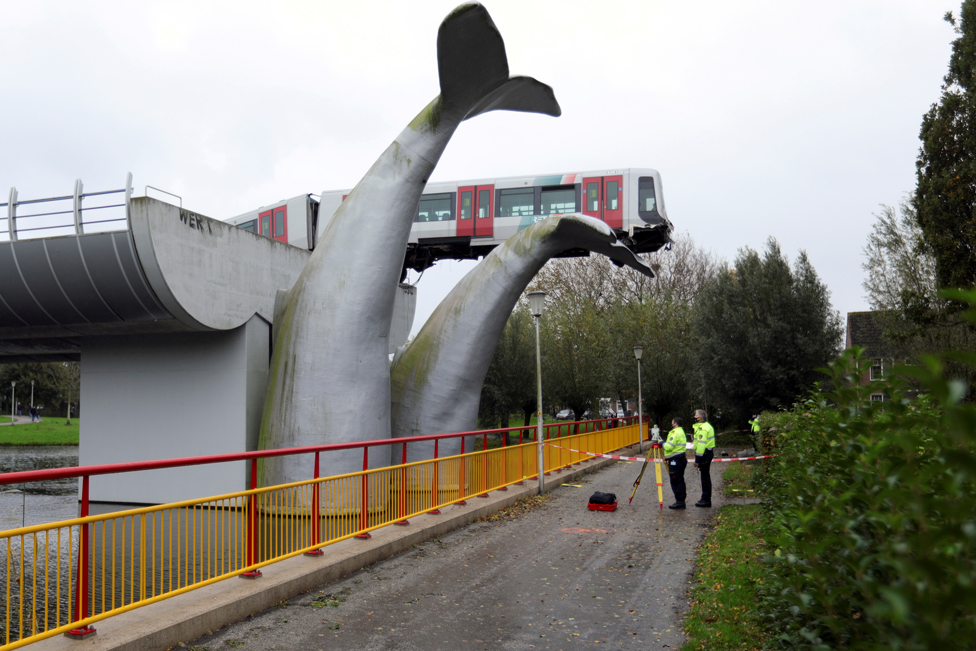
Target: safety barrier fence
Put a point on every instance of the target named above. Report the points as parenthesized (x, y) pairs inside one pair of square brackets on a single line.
[(64, 576)]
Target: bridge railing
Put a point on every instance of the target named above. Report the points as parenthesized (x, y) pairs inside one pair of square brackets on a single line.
[(73, 214), (64, 576)]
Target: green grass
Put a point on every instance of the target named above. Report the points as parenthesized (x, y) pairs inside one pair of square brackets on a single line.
[(723, 612), (51, 431), (4, 419), (738, 480)]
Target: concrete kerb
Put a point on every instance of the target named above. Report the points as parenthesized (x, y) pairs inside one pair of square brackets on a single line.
[(186, 617)]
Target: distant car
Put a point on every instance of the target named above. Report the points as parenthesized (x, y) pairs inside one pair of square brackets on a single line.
[(565, 414), (620, 413), (588, 415)]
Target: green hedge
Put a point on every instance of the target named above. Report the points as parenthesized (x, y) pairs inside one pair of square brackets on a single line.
[(870, 515)]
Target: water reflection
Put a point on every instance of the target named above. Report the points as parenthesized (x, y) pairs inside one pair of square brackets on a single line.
[(41, 502)]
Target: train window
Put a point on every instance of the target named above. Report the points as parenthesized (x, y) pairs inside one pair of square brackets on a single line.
[(558, 201), (465, 205), (516, 202), (435, 208), (613, 200), (279, 229), (592, 197), (250, 226), (266, 225), (484, 201), (646, 200)]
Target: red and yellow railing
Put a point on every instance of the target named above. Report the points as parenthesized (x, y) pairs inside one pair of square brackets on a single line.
[(62, 577)]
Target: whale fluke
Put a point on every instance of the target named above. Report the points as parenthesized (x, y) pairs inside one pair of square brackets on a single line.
[(330, 374), (436, 381)]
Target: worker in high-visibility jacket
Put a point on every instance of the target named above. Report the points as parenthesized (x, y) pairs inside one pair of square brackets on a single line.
[(754, 423), (674, 457), (704, 435)]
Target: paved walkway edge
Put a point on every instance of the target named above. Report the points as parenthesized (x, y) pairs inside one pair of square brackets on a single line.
[(186, 617)]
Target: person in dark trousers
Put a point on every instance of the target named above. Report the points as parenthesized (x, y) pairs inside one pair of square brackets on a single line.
[(674, 457), (704, 436)]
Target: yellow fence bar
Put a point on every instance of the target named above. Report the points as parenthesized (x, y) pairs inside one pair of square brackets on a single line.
[(141, 556)]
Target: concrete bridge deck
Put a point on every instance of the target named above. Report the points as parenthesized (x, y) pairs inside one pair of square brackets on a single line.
[(557, 577)]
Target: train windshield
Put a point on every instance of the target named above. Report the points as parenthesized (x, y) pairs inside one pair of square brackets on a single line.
[(250, 226), (435, 208), (646, 199), (559, 201)]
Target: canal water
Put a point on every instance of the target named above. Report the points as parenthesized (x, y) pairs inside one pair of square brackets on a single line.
[(40, 502)]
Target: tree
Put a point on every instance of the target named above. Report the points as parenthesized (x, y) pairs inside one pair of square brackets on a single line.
[(900, 268), (945, 197), (66, 380), (510, 384), (763, 329)]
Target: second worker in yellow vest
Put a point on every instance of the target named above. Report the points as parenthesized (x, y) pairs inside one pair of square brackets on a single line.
[(704, 435), (674, 457)]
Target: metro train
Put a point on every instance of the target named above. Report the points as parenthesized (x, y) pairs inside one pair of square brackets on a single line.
[(467, 219)]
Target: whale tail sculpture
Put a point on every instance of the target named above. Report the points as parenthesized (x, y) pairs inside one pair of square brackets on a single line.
[(329, 380)]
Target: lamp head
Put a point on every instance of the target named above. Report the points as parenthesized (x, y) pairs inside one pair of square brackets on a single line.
[(638, 351), (537, 303)]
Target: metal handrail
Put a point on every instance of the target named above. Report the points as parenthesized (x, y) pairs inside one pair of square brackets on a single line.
[(180, 462)]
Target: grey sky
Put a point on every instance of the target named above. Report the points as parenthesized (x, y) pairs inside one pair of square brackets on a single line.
[(783, 119)]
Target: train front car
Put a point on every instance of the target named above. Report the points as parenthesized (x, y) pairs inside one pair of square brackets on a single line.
[(464, 220)]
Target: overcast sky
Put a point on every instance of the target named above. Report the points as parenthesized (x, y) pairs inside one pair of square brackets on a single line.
[(773, 118)]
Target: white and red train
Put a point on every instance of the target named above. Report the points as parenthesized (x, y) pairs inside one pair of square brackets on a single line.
[(467, 219)]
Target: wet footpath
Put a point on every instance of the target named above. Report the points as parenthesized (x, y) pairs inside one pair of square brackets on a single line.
[(544, 574)]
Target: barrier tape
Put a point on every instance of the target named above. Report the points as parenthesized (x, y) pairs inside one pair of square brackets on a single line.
[(652, 460)]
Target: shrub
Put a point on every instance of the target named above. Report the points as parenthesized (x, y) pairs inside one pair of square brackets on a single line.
[(870, 512)]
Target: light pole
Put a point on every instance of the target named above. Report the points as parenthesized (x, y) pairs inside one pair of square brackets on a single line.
[(32, 393), (638, 351), (537, 303), (13, 403)]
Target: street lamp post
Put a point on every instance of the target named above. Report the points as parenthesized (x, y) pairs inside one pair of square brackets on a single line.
[(13, 403), (638, 351), (537, 303), (32, 393)]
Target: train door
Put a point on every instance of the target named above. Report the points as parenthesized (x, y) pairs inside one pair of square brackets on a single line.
[(484, 210), (613, 204), (465, 211), (603, 199), (274, 223)]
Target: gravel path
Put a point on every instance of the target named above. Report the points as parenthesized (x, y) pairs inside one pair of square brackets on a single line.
[(549, 575)]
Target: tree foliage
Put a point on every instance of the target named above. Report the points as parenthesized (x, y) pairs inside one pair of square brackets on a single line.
[(762, 329), (945, 196)]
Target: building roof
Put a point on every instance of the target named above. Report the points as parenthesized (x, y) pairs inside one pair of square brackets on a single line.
[(866, 329)]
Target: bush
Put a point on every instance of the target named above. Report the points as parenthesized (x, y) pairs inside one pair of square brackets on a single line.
[(870, 511)]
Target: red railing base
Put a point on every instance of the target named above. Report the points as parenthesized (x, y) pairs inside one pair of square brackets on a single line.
[(434, 512), (546, 474), (402, 523), (253, 574), (483, 495), (461, 503), (315, 552), (364, 536), (80, 633), (503, 488), (520, 483)]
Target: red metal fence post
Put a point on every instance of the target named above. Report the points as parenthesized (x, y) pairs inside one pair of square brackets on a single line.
[(503, 487), (403, 489), (252, 524), (435, 492), (81, 585), (316, 518), (521, 460), (484, 467), (461, 476), (364, 498)]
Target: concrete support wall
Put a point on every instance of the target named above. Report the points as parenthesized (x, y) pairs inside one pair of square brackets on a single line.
[(172, 395)]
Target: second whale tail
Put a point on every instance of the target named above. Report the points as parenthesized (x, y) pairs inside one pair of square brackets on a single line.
[(473, 69)]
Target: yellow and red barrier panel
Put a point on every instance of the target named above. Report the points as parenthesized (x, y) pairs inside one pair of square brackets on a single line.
[(65, 576)]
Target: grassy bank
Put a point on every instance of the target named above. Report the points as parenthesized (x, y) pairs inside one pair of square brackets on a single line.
[(52, 431), (723, 610), (737, 479)]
